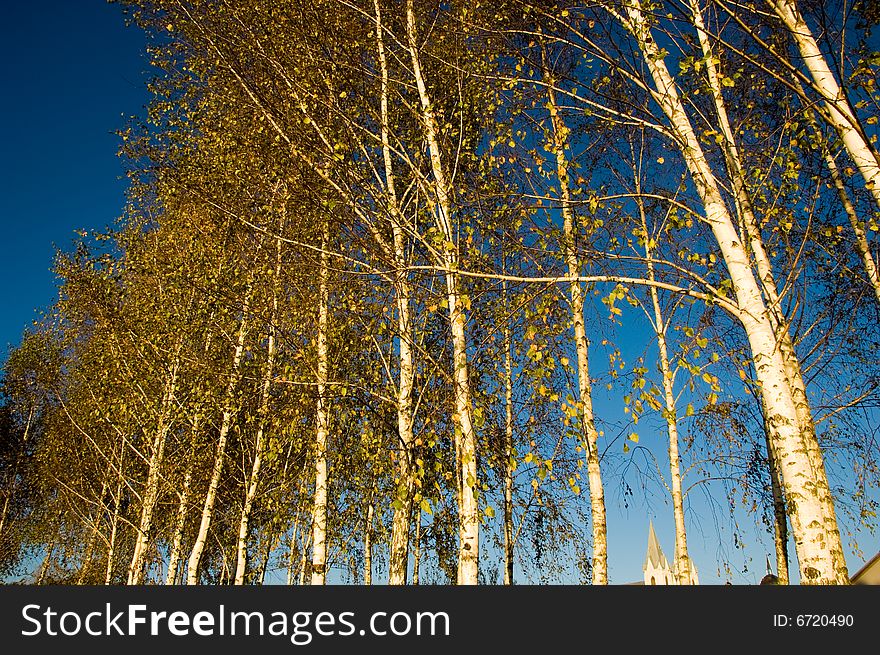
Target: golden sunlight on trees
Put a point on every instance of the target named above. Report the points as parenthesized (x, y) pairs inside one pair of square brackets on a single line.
[(417, 291)]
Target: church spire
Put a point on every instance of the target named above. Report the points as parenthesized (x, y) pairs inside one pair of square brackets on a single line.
[(654, 556)]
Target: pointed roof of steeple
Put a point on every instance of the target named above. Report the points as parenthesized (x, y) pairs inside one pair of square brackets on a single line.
[(655, 554), (769, 568)]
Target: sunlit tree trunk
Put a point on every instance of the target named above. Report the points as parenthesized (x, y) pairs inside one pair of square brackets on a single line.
[(589, 434), (780, 518), (507, 449), (229, 408), (319, 508), (176, 552), (368, 545), (175, 555), (771, 294), (263, 417), (293, 551), (304, 560), (400, 521), (468, 510), (96, 527), (682, 568), (863, 248), (114, 521), (812, 537), (44, 567), (151, 488), (271, 543), (417, 546), (839, 112)]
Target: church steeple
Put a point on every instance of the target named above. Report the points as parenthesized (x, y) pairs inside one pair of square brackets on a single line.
[(655, 556), (656, 568)]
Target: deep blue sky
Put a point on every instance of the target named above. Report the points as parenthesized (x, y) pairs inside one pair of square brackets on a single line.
[(72, 72)]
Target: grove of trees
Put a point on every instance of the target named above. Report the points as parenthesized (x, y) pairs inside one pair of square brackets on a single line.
[(384, 263)]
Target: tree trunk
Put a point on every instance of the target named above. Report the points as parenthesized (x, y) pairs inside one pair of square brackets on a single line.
[(44, 567), (780, 525), (260, 445), (368, 545), (400, 521), (466, 445), (839, 113), (812, 537), (114, 522), (768, 285), (682, 566), (508, 452), (292, 549), (862, 245), (589, 434), (319, 509), (417, 547), (183, 506), (96, 527), (272, 542), (151, 488), (192, 569)]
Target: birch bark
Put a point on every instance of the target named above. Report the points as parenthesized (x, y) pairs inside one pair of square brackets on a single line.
[(322, 418), (817, 565), (260, 445), (466, 446), (151, 488), (192, 569), (589, 433), (841, 115), (769, 288), (400, 521)]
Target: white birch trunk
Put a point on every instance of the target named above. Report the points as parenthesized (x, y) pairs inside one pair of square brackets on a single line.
[(508, 443), (780, 519), (292, 552), (589, 434), (319, 509), (400, 522), (96, 526), (841, 115), (817, 564), (180, 525), (260, 445), (368, 546), (468, 510), (151, 488), (768, 285), (417, 546), (195, 557), (114, 522), (862, 245), (292, 549), (682, 568)]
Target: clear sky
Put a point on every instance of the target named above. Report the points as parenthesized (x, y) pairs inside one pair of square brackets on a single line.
[(72, 73)]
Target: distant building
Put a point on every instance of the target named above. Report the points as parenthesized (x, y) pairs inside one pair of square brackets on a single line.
[(657, 569)]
